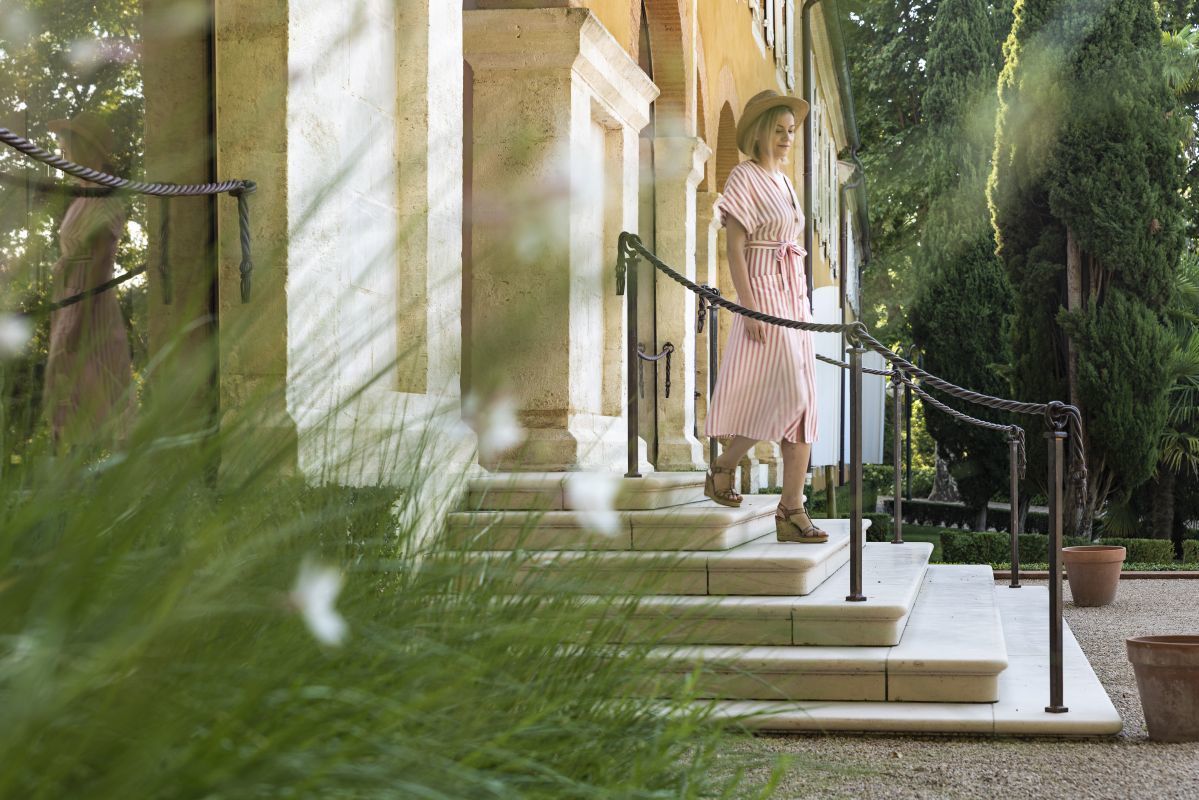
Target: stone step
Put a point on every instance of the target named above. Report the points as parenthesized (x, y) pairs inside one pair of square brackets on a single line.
[(1023, 692), (892, 573), (546, 491), (924, 667), (764, 566), (696, 526)]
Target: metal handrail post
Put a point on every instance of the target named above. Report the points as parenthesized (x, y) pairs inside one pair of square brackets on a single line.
[(633, 410), (907, 395), (1014, 525), (896, 453), (855, 473), (713, 362), (1057, 440)]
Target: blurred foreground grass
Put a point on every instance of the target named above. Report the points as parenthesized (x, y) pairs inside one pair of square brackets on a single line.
[(150, 648)]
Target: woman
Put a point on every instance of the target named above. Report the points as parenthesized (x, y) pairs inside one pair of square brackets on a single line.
[(89, 372), (765, 389)]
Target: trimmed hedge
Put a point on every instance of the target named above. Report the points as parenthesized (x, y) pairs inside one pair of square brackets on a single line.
[(1190, 551), (880, 529), (951, 515), (958, 547)]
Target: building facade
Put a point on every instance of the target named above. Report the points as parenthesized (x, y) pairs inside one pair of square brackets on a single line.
[(441, 186)]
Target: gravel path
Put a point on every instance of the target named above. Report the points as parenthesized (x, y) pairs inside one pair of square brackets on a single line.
[(1127, 766)]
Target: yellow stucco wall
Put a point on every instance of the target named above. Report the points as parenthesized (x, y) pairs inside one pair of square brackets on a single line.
[(733, 65)]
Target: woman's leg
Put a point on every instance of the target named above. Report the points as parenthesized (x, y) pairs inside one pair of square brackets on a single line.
[(730, 456), (795, 472)]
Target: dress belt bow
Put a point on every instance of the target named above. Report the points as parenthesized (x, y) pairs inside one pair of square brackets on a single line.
[(781, 249)]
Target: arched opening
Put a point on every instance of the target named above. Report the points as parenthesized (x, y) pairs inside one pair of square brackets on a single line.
[(726, 146), (662, 28)]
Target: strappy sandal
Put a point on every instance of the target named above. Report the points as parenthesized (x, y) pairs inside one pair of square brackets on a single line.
[(726, 497), (787, 529)]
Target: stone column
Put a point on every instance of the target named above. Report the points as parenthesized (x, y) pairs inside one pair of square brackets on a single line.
[(678, 167), (706, 270), (178, 142), (352, 126), (251, 64), (558, 104)]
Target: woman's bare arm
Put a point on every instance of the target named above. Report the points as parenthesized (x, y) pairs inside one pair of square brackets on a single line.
[(736, 238)]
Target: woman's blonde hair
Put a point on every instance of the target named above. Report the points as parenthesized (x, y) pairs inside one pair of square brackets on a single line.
[(764, 127)]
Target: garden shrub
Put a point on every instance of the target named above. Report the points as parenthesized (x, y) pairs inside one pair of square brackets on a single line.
[(880, 529), (1144, 550), (1190, 551), (959, 547)]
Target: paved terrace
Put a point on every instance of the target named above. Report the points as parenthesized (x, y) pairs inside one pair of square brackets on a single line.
[(1122, 767)]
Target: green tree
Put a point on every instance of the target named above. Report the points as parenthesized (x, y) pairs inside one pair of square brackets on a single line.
[(1085, 201), (887, 42), (59, 57), (964, 297)]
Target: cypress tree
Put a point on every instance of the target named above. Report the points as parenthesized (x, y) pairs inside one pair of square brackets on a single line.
[(1085, 203), (964, 297)]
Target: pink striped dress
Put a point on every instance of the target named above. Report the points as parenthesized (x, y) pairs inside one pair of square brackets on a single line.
[(766, 390)]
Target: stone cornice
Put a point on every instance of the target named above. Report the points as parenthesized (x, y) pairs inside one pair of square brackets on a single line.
[(561, 39)]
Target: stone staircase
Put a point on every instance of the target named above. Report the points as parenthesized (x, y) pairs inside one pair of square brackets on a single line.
[(935, 648)]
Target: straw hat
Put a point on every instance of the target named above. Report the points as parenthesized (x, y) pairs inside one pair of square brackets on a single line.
[(758, 105), (88, 126)]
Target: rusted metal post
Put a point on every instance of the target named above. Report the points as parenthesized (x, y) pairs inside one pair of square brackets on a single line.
[(1057, 441), (713, 362), (855, 472), (1014, 525), (633, 409), (896, 454)]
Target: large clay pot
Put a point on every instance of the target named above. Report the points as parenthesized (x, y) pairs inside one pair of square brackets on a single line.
[(1167, 669), (1094, 572)]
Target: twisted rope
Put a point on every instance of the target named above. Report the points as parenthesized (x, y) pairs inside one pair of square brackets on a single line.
[(1013, 431), (1058, 416), (886, 373), (240, 189)]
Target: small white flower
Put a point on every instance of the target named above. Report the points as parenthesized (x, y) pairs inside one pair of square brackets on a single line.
[(496, 424), (593, 494), (316, 590), (15, 332)]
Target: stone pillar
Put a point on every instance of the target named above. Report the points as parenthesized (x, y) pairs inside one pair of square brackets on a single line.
[(352, 126), (558, 105), (706, 270), (178, 142), (678, 167), (251, 65)]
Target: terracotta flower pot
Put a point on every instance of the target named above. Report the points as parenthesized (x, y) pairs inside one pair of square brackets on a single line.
[(1167, 669), (1094, 572)]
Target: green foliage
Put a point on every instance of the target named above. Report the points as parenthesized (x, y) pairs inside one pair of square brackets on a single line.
[(1143, 550), (887, 41), (1123, 350), (881, 477), (960, 547), (1190, 551), (57, 58), (1087, 145), (150, 648), (880, 529)]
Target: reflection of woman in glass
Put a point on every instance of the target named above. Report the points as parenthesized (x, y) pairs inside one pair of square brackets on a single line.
[(89, 372)]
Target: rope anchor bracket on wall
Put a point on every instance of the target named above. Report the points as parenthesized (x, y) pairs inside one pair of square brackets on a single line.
[(667, 349)]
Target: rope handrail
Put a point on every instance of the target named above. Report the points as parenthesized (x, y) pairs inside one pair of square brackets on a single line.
[(886, 373), (1057, 415), (1013, 431), (241, 189)]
